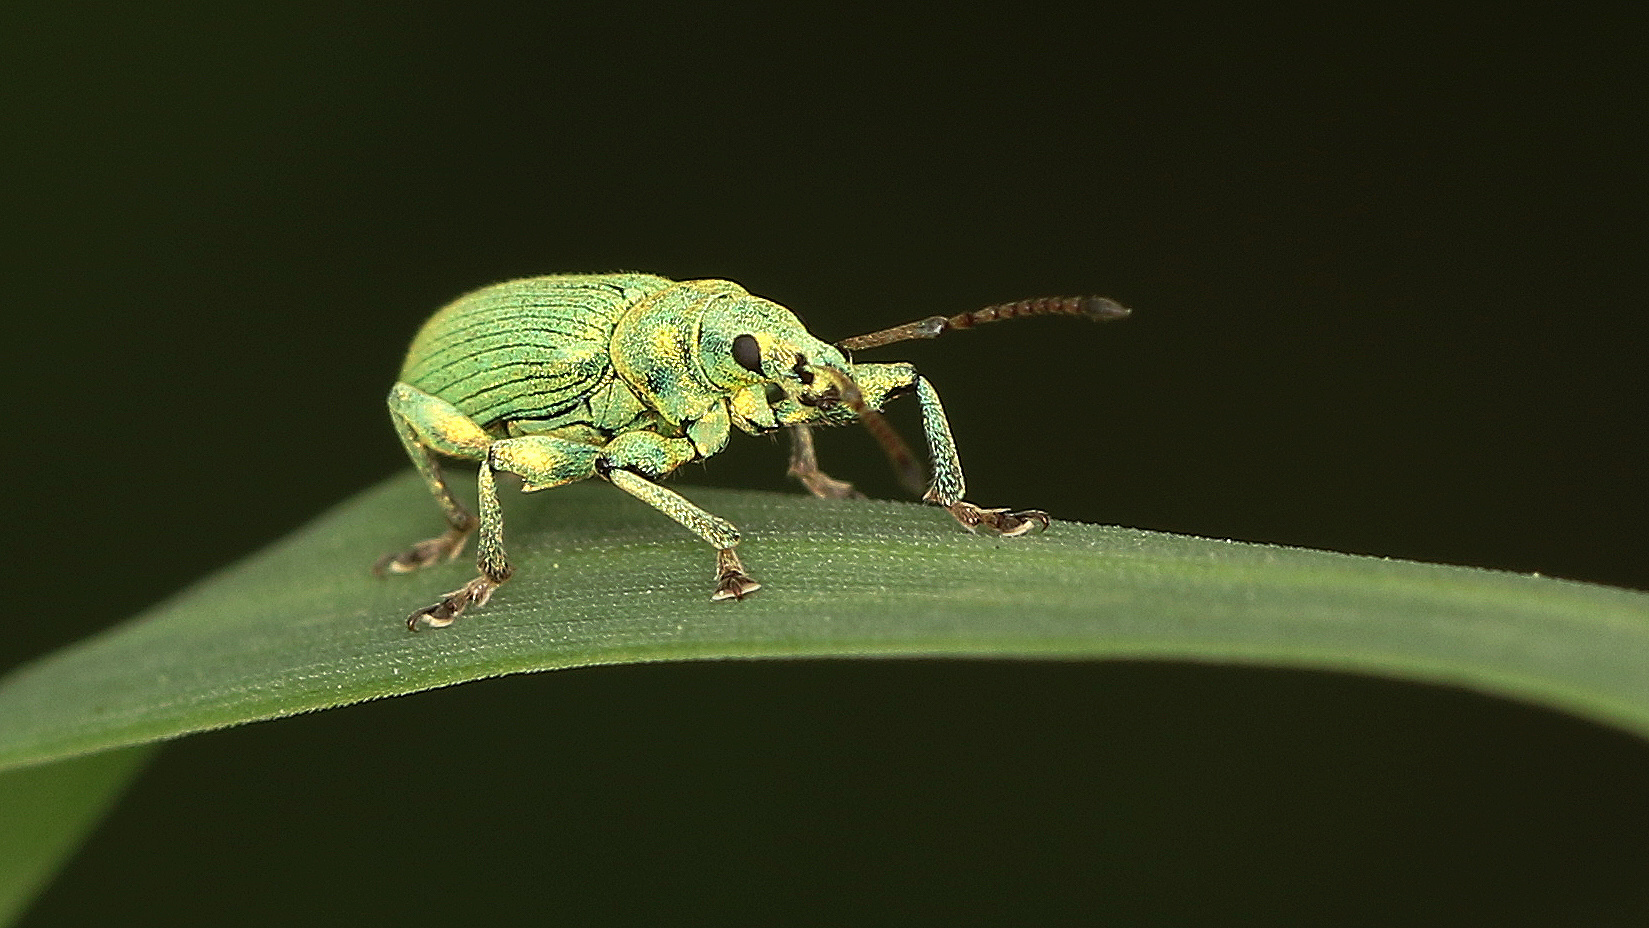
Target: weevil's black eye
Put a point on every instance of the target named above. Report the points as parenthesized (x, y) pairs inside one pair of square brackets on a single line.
[(747, 353)]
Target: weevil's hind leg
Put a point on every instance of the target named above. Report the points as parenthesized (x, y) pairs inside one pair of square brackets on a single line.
[(490, 560), (428, 426), (804, 466), (948, 486), (543, 461)]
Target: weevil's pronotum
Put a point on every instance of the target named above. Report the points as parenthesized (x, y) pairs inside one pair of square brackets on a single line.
[(630, 376)]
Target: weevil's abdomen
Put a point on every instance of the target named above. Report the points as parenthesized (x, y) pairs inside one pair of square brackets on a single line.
[(531, 350)]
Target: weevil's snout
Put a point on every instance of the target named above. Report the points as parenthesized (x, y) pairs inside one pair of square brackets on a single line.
[(828, 388)]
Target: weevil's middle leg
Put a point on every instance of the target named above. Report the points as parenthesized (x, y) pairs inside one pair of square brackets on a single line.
[(654, 454), (804, 466), (731, 580)]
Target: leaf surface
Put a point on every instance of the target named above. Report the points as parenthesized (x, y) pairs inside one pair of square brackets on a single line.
[(602, 579)]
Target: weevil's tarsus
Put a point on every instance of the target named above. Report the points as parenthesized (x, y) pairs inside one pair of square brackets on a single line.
[(804, 466), (1097, 308), (731, 580), (426, 553), (474, 593), (1003, 522)]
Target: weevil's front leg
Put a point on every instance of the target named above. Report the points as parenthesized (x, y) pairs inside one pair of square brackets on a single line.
[(804, 466), (649, 453), (948, 486), (542, 461), (428, 426)]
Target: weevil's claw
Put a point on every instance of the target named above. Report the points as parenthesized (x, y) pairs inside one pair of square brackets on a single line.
[(423, 554), (474, 593), (731, 580), (734, 586), (1003, 522)]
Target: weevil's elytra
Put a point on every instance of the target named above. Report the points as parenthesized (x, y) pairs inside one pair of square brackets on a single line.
[(628, 377)]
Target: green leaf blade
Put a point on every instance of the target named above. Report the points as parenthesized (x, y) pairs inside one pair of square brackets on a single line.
[(603, 579), (46, 813)]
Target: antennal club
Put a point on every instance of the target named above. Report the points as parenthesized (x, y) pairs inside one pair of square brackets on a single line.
[(1097, 308)]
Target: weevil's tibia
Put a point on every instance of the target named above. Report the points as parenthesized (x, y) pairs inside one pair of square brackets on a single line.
[(490, 560), (443, 547), (948, 486), (1097, 308)]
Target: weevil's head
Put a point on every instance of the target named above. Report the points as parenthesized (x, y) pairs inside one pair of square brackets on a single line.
[(748, 341)]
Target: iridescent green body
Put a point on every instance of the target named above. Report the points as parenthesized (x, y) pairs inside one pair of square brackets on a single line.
[(628, 377), (532, 351)]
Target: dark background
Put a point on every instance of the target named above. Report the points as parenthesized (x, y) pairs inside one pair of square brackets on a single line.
[(1387, 275)]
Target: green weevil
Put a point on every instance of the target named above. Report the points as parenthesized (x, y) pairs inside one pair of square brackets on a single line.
[(628, 377)]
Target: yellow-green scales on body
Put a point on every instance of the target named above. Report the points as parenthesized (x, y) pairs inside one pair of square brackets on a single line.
[(630, 376)]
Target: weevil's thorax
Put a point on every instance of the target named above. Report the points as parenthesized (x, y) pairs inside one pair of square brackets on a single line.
[(655, 346), (676, 348)]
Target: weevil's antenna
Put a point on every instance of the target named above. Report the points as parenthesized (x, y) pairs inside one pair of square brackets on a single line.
[(1097, 308), (911, 473)]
